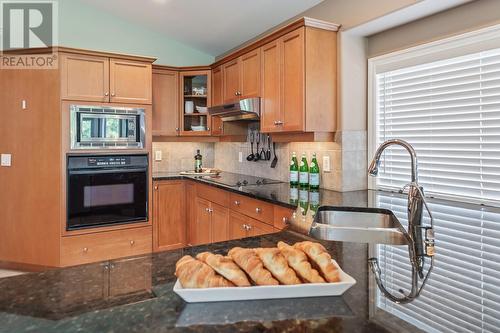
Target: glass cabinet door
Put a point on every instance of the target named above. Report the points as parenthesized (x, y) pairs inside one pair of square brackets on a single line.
[(195, 101)]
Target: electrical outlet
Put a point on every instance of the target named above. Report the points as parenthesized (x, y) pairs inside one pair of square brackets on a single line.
[(6, 160), (158, 155), (240, 156), (326, 164)]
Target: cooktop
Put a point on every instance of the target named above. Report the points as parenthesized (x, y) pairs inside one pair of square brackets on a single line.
[(237, 180)]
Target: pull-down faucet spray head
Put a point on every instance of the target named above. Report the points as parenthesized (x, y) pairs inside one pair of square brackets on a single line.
[(373, 169)]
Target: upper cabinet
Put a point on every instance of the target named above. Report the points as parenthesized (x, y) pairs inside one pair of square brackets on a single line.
[(299, 82), (241, 77), (96, 78), (217, 86), (195, 98), (165, 102)]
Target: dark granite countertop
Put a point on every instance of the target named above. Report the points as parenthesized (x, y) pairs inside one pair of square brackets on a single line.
[(135, 295), (282, 193)]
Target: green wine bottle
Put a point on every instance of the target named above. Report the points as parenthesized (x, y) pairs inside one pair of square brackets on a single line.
[(197, 162), (303, 172), (314, 173), (294, 170)]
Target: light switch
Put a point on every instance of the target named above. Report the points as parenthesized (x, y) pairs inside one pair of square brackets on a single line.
[(240, 156), (158, 155), (6, 160), (326, 164)]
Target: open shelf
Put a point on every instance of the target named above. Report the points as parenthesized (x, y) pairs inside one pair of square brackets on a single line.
[(195, 93)]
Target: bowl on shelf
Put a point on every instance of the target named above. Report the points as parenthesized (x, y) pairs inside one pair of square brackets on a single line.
[(202, 109), (198, 128)]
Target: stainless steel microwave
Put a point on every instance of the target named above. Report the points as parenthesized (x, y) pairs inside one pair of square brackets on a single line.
[(106, 127)]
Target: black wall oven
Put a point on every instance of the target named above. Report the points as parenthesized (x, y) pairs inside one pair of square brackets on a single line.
[(106, 190)]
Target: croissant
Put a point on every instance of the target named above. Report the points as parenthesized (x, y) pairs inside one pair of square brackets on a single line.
[(193, 273), (297, 259), (321, 258), (275, 262), (247, 260), (226, 267)]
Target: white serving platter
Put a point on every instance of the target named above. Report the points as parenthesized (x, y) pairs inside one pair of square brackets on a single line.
[(197, 295)]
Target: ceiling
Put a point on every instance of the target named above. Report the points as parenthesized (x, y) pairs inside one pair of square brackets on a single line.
[(211, 26)]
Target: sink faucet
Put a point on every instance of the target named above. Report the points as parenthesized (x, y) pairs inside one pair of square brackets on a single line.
[(418, 247)]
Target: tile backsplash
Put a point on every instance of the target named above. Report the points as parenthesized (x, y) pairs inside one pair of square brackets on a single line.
[(348, 159), (179, 156)]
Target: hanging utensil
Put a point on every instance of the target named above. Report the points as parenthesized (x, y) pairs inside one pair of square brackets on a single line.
[(268, 152), (252, 155), (275, 160), (257, 139)]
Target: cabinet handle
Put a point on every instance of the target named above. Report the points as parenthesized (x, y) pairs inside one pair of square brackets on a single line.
[(220, 127), (236, 202), (106, 93), (85, 249), (208, 128), (236, 93), (285, 220), (112, 266), (244, 226), (275, 123), (156, 187), (177, 129), (279, 122), (113, 94), (106, 267), (249, 226), (258, 210), (132, 242)]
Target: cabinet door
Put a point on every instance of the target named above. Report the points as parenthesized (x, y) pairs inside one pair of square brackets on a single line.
[(190, 212), (257, 228), (293, 90), (84, 78), (130, 81), (250, 74), (270, 103), (201, 231), (237, 225), (165, 103), (231, 81), (217, 86), (169, 219), (220, 223), (217, 127)]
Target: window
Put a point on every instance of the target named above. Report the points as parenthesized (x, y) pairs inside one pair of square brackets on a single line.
[(463, 291), (444, 99)]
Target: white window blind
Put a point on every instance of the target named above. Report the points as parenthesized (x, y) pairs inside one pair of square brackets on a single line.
[(449, 110), (463, 291)]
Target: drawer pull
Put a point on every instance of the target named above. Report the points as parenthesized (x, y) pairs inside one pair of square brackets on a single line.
[(258, 210), (236, 202), (249, 227), (85, 249), (132, 242), (285, 219)]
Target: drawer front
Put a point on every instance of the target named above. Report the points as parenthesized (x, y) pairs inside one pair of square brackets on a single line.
[(256, 209), (213, 194), (107, 245), (281, 216)]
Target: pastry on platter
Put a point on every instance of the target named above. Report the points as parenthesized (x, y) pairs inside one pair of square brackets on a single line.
[(248, 260), (274, 261), (297, 259), (321, 259), (226, 267), (193, 273)]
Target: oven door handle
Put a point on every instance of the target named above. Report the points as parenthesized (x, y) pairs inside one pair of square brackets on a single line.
[(100, 171)]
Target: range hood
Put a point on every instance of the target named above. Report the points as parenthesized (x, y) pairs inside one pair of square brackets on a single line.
[(245, 109)]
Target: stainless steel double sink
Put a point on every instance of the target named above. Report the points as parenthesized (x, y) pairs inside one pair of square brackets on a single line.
[(359, 225)]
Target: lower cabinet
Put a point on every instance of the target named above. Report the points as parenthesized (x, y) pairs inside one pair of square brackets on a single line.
[(211, 223), (82, 249), (169, 215), (241, 226)]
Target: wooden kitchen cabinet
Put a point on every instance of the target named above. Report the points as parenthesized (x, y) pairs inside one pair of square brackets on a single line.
[(242, 226), (231, 81), (195, 89), (211, 224), (96, 78), (271, 87), (169, 215), (217, 86), (299, 82), (217, 126), (165, 102), (241, 77), (84, 78), (130, 81)]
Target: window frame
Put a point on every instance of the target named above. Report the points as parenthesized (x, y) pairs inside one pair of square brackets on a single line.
[(455, 46)]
